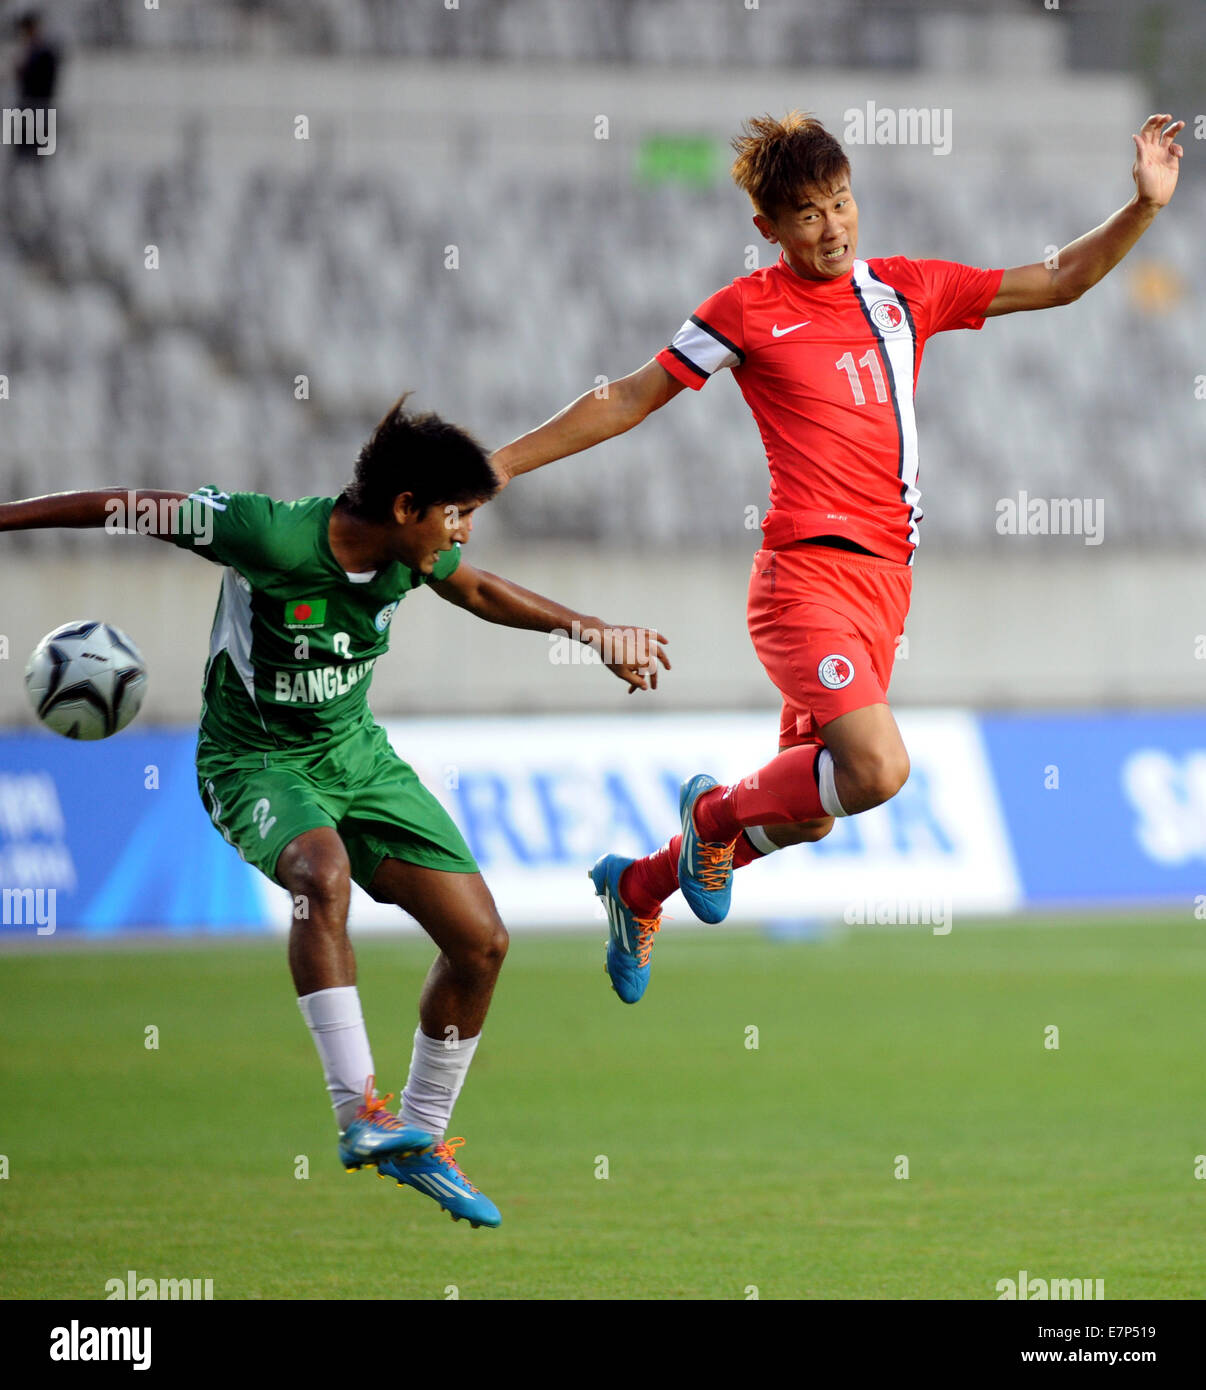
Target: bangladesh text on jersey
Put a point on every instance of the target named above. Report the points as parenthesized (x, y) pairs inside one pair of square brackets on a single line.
[(295, 637)]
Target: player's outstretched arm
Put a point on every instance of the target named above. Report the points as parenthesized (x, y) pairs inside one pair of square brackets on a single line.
[(596, 415), (632, 653), (1081, 264), (107, 507)]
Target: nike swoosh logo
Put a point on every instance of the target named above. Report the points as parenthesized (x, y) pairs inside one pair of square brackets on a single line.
[(778, 332)]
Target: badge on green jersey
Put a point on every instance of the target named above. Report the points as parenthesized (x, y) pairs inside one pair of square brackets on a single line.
[(305, 612)]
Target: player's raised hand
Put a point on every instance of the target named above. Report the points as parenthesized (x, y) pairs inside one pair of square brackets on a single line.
[(632, 653), (1157, 159)]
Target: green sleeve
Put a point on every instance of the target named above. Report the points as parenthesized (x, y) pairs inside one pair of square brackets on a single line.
[(446, 564), (229, 528)]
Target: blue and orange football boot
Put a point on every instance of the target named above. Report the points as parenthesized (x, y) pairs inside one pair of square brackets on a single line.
[(630, 938), (436, 1174), (705, 870), (376, 1134)]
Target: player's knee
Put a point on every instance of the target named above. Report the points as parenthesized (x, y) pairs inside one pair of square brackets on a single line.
[(890, 773), (875, 778), (805, 832), (494, 947), (322, 881), (810, 831), (482, 955)]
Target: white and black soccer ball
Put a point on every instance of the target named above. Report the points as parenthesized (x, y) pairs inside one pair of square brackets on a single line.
[(86, 680)]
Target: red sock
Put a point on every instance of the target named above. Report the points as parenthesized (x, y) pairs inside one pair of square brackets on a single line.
[(781, 793), (646, 883)]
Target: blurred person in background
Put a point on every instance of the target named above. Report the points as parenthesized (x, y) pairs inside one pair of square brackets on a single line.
[(28, 197)]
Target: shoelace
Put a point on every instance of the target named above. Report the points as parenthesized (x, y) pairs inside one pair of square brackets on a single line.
[(444, 1152), (374, 1108), (647, 927), (716, 865)]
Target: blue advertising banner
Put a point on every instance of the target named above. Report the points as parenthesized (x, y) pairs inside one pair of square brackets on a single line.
[(539, 800), (1000, 812), (1103, 808), (115, 833)]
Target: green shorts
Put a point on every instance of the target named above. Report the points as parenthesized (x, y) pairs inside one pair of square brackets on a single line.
[(358, 786)]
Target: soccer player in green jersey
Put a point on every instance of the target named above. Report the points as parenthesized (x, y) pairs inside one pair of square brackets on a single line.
[(297, 776)]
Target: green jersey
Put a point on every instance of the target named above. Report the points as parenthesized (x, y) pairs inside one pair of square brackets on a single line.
[(295, 636)]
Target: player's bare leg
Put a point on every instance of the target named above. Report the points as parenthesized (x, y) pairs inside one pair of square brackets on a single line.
[(314, 868), (870, 764), (457, 911)]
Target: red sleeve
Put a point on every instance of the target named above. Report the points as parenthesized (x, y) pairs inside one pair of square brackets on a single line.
[(710, 340), (956, 296)]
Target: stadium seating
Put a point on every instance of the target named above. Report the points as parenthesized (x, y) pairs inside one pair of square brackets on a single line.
[(187, 373)]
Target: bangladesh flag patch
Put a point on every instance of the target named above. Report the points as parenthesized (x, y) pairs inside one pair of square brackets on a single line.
[(305, 612)]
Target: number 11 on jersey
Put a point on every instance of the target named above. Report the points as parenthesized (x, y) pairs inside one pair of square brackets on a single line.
[(870, 360)]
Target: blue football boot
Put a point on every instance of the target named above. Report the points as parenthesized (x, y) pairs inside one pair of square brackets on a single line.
[(437, 1175), (705, 870), (630, 938), (376, 1134)]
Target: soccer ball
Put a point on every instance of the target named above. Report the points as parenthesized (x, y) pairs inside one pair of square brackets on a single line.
[(86, 680)]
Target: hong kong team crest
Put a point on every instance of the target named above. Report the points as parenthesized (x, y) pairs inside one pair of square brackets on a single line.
[(886, 315), (836, 671), (381, 621)]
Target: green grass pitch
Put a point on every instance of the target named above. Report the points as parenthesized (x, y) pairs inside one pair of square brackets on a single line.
[(728, 1166)]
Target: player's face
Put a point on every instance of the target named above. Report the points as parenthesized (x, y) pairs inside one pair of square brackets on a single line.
[(819, 235), (421, 540)]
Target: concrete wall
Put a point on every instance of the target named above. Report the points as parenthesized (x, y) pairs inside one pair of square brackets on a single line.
[(1046, 626)]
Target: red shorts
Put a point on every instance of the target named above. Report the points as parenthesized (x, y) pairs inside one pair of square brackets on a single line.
[(825, 624)]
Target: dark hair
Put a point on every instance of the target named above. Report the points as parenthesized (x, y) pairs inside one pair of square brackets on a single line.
[(777, 160), (436, 462)]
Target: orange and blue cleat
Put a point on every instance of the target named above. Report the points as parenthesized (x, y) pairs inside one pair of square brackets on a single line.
[(437, 1175), (630, 938), (375, 1134), (705, 870)]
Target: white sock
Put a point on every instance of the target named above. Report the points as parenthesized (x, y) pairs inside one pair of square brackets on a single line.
[(437, 1073), (337, 1025), (828, 785), (761, 841)]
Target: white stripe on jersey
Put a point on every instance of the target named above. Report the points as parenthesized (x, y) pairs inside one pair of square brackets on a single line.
[(232, 628), (215, 814), (898, 347), (703, 349)]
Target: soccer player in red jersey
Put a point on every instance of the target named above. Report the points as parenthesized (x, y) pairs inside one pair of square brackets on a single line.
[(825, 348)]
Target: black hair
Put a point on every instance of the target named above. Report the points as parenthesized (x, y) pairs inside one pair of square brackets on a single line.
[(436, 462)]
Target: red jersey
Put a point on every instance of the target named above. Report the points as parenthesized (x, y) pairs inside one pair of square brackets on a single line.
[(829, 368)]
